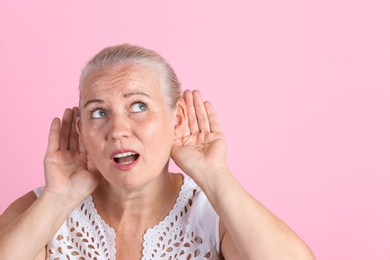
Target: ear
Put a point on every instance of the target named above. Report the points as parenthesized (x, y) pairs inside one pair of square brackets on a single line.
[(77, 125), (78, 130), (181, 123)]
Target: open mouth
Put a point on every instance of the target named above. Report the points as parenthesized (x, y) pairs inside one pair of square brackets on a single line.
[(125, 158)]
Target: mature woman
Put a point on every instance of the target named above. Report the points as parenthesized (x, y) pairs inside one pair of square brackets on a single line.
[(108, 192)]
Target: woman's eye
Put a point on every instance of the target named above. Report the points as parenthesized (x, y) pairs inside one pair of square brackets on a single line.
[(98, 113), (138, 107)]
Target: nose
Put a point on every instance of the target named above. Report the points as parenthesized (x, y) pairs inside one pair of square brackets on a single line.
[(119, 128)]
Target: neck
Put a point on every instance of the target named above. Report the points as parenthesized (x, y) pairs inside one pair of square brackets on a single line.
[(146, 205)]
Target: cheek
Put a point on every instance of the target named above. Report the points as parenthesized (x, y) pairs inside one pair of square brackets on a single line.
[(90, 139), (94, 149), (159, 134)]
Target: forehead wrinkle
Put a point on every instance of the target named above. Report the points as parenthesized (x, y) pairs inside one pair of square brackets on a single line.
[(112, 78), (130, 80)]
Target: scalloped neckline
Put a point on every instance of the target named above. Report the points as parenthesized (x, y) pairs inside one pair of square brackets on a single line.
[(111, 230)]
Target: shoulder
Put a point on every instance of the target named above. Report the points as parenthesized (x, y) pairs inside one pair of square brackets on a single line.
[(17, 208), (196, 198), (202, 215)]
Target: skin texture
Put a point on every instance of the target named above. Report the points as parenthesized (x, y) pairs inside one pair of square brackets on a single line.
[(123, 109), (132, 115)]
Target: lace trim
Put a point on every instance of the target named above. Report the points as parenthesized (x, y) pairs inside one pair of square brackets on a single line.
[(172, 238), (85, 235)]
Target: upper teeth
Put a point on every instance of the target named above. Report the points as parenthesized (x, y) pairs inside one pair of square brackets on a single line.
[(121, 155)]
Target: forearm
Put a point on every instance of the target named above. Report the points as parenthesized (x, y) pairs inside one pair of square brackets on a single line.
[(26, 235), (256, 232)]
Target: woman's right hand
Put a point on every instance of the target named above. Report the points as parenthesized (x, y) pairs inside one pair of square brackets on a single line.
[(68, 173), (70, 178)]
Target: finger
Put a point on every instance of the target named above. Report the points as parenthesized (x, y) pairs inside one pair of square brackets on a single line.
[(74, 137), (192, 122), (213, 119), (200, 110), (54, 135), (66, 126)]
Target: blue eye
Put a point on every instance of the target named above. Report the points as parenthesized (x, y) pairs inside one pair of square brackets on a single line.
[(138, 107), (98, 113)]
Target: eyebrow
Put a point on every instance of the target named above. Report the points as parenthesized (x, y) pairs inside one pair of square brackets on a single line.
[(126, 95), (136, 93), (93, 101)]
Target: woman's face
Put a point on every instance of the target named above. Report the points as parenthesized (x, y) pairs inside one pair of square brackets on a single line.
[(126, 125)]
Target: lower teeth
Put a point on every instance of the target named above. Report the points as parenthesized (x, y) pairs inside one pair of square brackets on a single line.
[(125, 163)]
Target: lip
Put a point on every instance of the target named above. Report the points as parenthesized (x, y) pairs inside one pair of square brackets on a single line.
[(123, 167)]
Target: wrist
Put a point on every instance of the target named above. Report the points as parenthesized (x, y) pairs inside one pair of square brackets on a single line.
[(214, 180), (61, 202)]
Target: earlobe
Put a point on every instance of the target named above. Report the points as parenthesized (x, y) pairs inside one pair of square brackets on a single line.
[(181, 119)]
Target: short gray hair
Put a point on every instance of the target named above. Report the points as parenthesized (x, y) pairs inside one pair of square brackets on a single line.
[(131, 54)]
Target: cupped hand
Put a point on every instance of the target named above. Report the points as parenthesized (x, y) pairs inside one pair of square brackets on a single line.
[(68, 173), (201, 149)]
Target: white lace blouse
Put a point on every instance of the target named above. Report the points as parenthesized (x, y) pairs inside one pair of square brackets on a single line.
[(190, 231)]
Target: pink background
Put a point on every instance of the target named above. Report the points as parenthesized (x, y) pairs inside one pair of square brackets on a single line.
[(301, 87)]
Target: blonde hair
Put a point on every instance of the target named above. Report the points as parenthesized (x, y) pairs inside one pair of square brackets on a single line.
[(131, 54)]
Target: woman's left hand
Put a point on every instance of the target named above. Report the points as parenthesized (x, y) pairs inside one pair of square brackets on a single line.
[(202, 148), (200, 152)]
